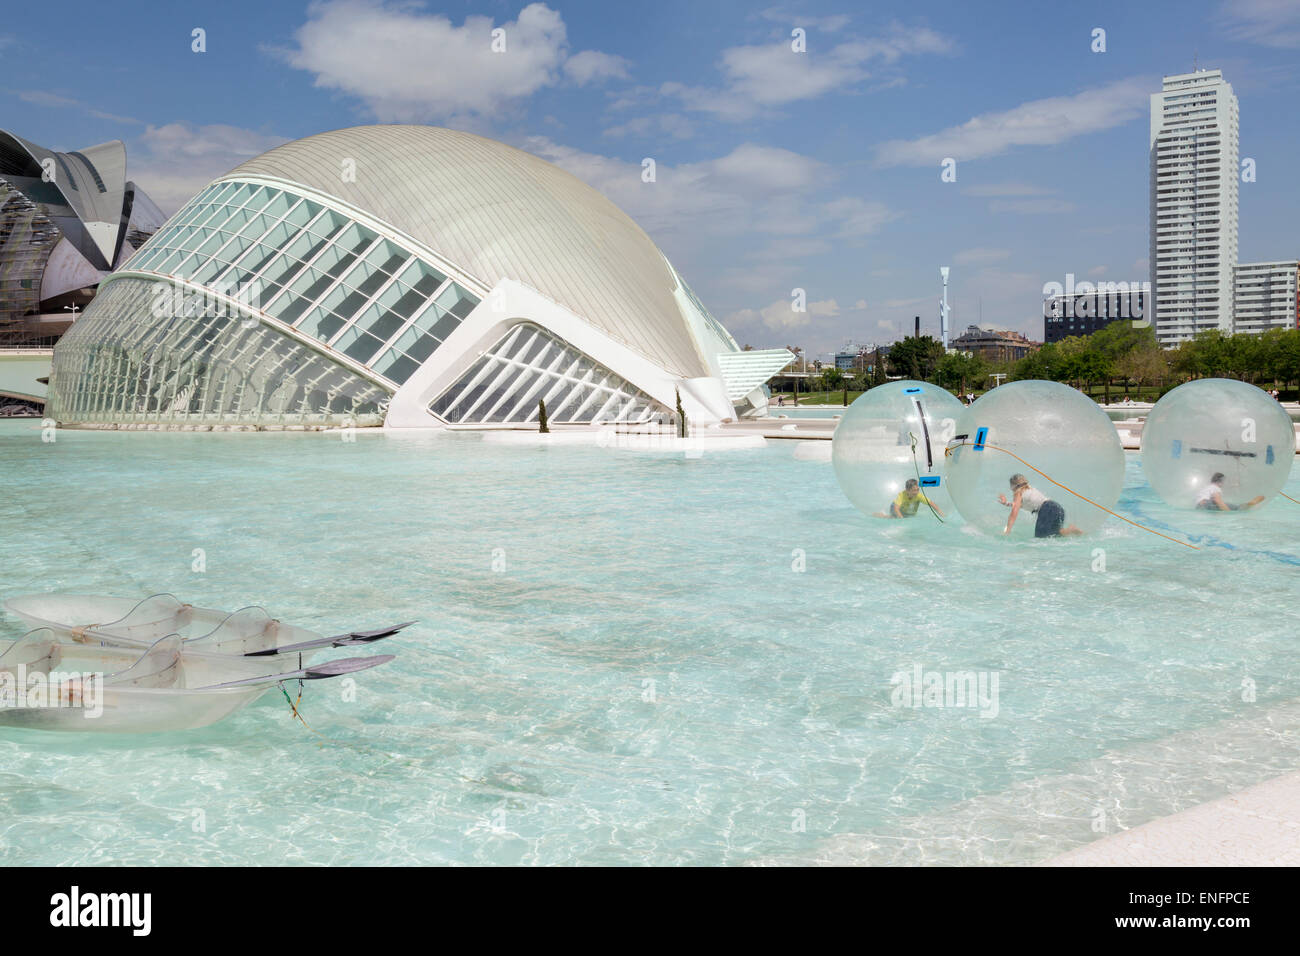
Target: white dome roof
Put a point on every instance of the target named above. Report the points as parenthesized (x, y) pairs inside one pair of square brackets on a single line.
[(500, 213)]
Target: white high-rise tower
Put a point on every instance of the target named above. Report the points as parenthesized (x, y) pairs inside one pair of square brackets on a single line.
[(1193, 204)]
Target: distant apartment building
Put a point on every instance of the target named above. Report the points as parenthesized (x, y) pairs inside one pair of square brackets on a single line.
[(855, 358), (1265, 296), (993, 345), (1193, 205), (1082, 313)]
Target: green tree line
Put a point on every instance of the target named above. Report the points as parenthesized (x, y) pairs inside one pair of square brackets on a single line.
[(1119, 359)]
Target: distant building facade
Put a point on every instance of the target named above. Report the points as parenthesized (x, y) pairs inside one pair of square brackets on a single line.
[(1082, 313), (994, 345), (1265, 296), (1193, 212), (858, 358), (66, 220)]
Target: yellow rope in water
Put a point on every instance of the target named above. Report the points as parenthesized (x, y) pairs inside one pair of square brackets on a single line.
[(1288, 497), (293, 705), (362, 748), (948, 451)]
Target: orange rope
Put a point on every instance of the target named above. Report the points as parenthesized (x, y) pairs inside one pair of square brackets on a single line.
[(948, 451), (1288, 497)]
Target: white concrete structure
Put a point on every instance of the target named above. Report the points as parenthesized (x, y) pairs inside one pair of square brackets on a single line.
[(1265, 296), (400, 275), (1193, 216)]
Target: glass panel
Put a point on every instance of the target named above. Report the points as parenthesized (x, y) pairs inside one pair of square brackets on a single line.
[(259, 198), (257, 227), (459, 394), (306, 246), (468, 402), (240, 195), (386, 256), (238, 217), (311, 284), (278, 205), (283, 269), (256, 257), (429, 318), (355, 238), (320, 324), (209, 271), (173, 259), (358, 345), (335, 299), (445, 326), (370, 285), (456, 300), (226, 189), (528, 347), (328, 223), (380, 323), (302, 213), (210, 245), (423, 278), (335, 261), (508, 394), (259, 292), (279, 236), (405, 303), (122, 363), (397, 367), (351, 303), (289, 308)]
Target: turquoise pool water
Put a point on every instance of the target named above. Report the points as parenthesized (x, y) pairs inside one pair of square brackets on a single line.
[(646, 676)]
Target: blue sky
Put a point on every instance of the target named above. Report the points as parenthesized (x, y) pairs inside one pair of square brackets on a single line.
[(775, 170)]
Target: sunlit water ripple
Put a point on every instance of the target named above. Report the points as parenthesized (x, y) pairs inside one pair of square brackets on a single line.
[(647, 679)]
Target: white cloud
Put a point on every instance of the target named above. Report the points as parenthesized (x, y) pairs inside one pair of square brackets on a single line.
[(751, 192), (1274, 23), (48, 100), (857, 217), (746, 190), (409, 66), (781, 315), (591, 65), (176, 160), (1042, 122), (669, 124), (765, 76), (1097, 271), (980, 255)]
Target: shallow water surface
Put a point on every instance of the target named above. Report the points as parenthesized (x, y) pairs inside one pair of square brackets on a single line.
[(623, 657)]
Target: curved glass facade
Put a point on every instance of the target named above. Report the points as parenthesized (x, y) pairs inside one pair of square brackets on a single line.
[(197, 365), (315, 269), (528, 365)]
